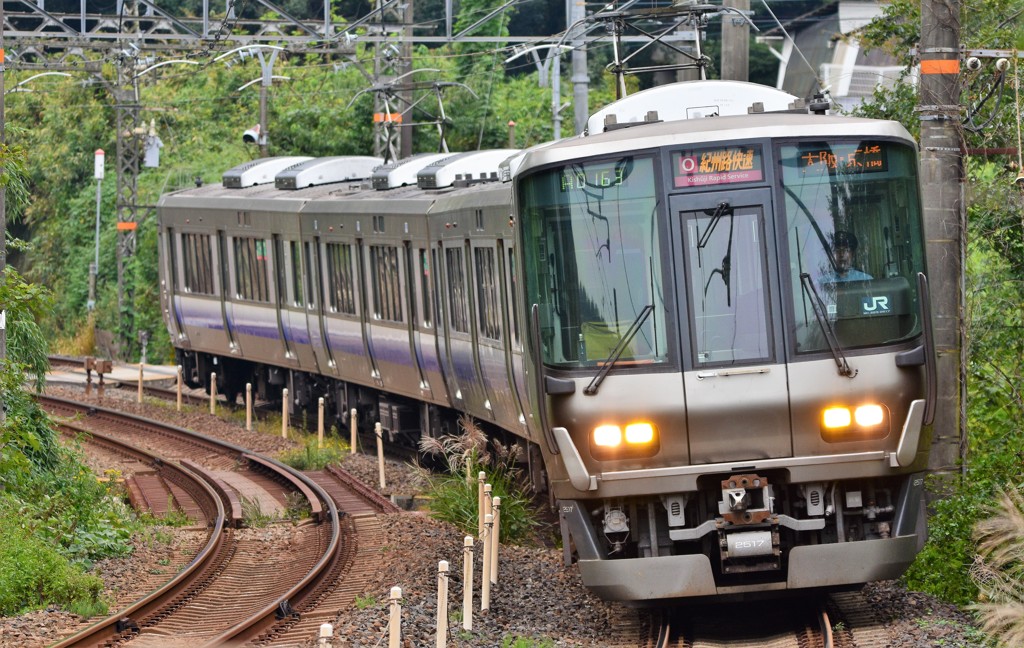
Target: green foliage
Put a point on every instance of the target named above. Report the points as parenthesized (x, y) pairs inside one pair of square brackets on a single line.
[(363, 602), (34, 575), (454, 498), (526, 642), (309, 456)]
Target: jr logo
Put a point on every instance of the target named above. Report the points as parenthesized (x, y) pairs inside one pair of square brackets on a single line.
[(875, 305)]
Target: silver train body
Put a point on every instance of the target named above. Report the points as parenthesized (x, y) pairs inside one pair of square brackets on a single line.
[(659, 308)]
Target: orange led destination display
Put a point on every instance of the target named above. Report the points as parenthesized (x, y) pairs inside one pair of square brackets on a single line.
[(865, 157), (714, 166)]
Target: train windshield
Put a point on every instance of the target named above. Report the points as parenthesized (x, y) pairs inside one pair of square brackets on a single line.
[(593, 262), (854, 240)]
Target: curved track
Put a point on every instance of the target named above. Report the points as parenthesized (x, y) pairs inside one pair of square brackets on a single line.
[(260, 579)]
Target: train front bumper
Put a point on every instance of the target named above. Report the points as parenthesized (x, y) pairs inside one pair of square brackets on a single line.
[(685, 576)]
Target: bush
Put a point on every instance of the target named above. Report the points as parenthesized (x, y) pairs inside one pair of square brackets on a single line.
[(454, 497), (35, 575)]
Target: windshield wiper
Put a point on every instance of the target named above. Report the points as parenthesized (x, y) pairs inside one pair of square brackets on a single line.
[(818, 307), (619, 348)]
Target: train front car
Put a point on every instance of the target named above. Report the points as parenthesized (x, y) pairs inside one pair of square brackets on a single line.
[(729, 353)]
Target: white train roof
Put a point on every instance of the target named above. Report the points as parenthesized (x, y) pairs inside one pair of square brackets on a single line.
[(261, 171), (403, 172), (473, 166), (327, 170), (690, 100)]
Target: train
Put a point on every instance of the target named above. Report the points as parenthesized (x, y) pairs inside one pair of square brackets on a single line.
[(705, 319)]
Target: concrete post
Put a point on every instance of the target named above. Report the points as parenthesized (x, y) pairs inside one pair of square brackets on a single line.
[(352, 427), (284, 413), (248, 407), (467, 583), (379, 433), (395, 622), (326, 632), (485, 579), (442, 604), (179, 386), (480, 478), (320, 423), (495, 540), (140, 382), (213, 393)]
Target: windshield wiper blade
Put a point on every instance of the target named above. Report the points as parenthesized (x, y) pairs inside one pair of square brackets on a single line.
[(818, 306), (619, 348)]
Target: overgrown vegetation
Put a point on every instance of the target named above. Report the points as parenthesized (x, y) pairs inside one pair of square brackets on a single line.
[(55, 517), (454, 494), (999, 570)]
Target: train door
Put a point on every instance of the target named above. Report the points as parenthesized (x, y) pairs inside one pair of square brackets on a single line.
[(364, 311), (225, 289), (169, 293), (417, 317), (283, 326), (444, 325), (314, 312), (731, 342)]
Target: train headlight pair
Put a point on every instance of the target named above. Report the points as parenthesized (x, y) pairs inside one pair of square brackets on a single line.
[(614, 441), (867, 421)]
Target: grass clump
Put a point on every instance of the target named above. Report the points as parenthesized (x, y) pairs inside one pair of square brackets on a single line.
[(309, 456), (999, 569), (454, 494)]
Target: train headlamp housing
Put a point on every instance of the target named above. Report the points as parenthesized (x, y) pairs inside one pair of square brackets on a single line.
[(854, 423), (610, 441)]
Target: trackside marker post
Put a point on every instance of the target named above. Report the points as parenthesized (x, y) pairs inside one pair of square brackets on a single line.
[(140, 382), (320, 423), (467, 583), (442, 604), (352, 428), (485, 578), (326, 632), (213, 393), (379, 433), (284, 413), (480, 478), (495, 540), (395, 622), (248, 407), (179, 386)]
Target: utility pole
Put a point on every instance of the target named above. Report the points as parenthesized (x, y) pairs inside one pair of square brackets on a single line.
[(577, 11), (736, 42), (945, 228)]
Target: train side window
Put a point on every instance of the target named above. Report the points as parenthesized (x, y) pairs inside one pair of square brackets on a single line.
[(488, 311), (425, 293), (385, 283), (198, 264), (251, 269), (457, 298), (340, 279)]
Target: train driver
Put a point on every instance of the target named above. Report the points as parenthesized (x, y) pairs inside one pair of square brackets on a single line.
[(844, 250)]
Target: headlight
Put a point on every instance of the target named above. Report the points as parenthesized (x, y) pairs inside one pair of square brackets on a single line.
[(608, 436), (635, 439), (867, 421)]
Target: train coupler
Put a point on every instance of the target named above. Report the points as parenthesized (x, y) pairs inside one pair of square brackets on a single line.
[(748, 533)]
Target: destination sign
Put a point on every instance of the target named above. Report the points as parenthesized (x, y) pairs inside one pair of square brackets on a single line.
[(865, 157), (715, 166)]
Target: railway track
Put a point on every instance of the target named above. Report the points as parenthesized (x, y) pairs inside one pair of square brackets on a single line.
[(252, 586)]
